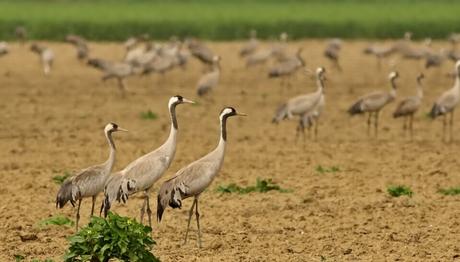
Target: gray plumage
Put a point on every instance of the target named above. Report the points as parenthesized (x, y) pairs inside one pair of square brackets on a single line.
[(288, 67), (210, 80), (21, 34), (46, 57), (4, 48), (251, 46), (117, 70), (447, 102), (193, 179), (200, 51), (90, 181), (80, 45), (146, 170), (374, 102), (409, 106), (332, 52), (302, 104)]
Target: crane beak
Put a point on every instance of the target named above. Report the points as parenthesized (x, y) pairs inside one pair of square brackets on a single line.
[(122, 129), (184, 100), (241, 114)]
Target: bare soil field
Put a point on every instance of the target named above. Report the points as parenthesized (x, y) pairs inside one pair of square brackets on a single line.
[(54, 124)]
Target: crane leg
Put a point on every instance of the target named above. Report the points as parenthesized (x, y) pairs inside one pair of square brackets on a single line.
[(143, 210), (92, 206), (149, 211), (77, 216), (197, 214), (444, 124), (369, 124), (316, 128), (451, 124), (189, 219), (411, 126), (376, 124), (405, 125)]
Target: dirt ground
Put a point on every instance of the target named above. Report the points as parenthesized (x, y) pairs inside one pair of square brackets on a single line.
[(54, 124)]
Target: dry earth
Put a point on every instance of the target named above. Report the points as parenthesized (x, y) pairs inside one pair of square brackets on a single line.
[(53, 124)]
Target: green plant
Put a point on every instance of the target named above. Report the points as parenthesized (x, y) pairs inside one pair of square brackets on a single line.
[(114, 237), (397, 191), (18, 257), (453, 191), (60, 179), (57, 221), (262, 186), (149, 115), (320, 169), (46, 260)]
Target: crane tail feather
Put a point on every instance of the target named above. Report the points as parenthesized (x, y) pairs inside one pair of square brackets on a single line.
[(66, 194), (280, 114)]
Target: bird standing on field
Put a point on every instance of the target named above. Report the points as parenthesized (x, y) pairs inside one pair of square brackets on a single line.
[(251, 46), (46, 57), (4, 49), (374, 102), (90, 181), (447, 102), (303, 104), (80, 44), (193, 179), (288, 67), (409, 106), (332, 52), (118, 70), (210, 80), (146, 170)]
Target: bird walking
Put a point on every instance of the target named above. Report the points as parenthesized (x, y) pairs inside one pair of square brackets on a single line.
[(146, 170), (374, 102), (447, 103), (90, 181), (118, 70), (302, 105), (288, 67), (80, 44), (332, 52), (409, 106), (193, 179), (46, 57), (210, 80)]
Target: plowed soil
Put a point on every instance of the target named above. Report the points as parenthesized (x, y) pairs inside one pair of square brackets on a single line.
[(50, 125)]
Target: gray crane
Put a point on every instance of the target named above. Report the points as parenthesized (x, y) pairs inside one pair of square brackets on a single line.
[(374, 102), (80, 45), (89, 182), (332, 52), (409, 106), (118, 70), (210, 80), (193, 179), (447, 103), (46, 57), (4, 48), (146, 170), (251, 46)]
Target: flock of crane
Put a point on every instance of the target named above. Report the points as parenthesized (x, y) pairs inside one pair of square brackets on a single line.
[(143, 57)]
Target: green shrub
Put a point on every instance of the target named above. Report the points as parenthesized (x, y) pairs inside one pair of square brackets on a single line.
[(114, 237), (262, 186), (60, 179), (320, 169), (149, 115), (453, 191), (57, 221), (397, 191)]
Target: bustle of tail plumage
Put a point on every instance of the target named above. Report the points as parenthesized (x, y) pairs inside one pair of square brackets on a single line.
[(65, 194), (117, 188), (355, 108), (280, 114), (435, 111), (169, 195)]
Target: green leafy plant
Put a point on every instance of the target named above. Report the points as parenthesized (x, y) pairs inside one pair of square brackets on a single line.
[(149, 115), (18, 257), (114, 237), (60, 179), (397, 191), (453, 191), (46, 260), (320, 169), (262, 186), (57, 221)]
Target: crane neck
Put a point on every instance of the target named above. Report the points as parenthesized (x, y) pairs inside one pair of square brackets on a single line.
[(172, 114), (223, 132), (111, 160), (419, 89), (320, 83), (393, 83)]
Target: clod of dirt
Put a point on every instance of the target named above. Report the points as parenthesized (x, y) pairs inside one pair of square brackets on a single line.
[(347, 251), (28, 237)]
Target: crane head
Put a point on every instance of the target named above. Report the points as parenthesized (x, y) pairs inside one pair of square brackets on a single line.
[(112, 127)]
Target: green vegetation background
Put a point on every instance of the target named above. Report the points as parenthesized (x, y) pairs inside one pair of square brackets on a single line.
[(230, 19)]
